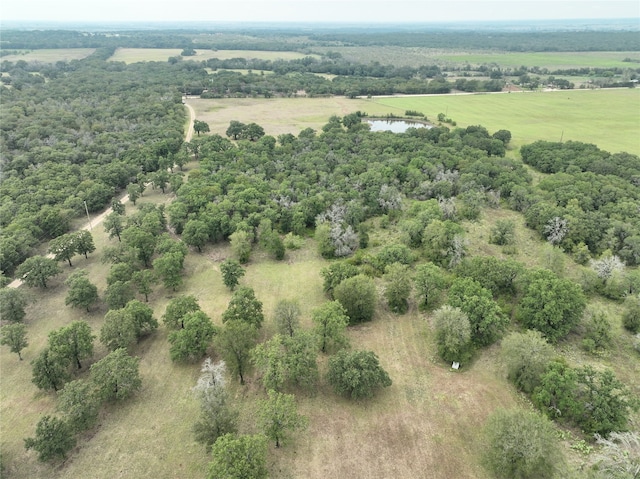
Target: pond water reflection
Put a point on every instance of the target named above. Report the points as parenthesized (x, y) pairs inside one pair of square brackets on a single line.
[(396, 126)]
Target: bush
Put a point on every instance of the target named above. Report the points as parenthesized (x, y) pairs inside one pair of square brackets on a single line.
[(503, 233), (631, 315), (527, 356)]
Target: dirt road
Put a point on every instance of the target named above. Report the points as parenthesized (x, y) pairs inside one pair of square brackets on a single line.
[(96, 220)]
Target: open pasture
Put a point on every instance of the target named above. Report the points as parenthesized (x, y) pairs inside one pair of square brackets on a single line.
[(608, 118), (50, 55), (414, 56), (134, 55)]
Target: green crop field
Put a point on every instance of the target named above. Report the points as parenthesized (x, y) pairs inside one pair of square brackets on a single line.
[(50, 55), (608, 118), (134, 55)]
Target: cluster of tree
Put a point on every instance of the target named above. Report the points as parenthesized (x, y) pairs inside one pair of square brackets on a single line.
[(594, 192), (595, 401), (113, 378), (73, 140), (227, 38)]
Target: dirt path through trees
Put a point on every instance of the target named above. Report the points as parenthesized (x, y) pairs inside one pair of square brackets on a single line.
[(96, 220)]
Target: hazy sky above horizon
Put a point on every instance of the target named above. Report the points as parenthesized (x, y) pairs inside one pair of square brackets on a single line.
[(350, 11)]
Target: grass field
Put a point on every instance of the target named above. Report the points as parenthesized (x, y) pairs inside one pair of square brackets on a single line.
[(414, 56), (133, 55), (551, 60), (609, 118), (51, 55)]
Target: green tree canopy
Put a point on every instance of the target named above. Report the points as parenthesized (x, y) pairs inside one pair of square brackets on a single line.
[(234, 342), (527, 356), (231, 271), (358, 297), (357, 374), (79, 405), (191, 342), (239, 457), (37, 270), (53, 439), (244, 306), (453, 334), (550, 304), (330, 325), (50, 370), (13, 302), (521, 444), (177, 308), (82, 292), (278, 416), (116, 376), (398, 287), (73, 342), (14, 336)]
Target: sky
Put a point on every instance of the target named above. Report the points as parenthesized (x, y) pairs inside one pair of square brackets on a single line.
[(344, 11)]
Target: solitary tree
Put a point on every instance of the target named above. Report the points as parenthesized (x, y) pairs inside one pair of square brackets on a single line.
[(118, 294), (191, 342), (236, 457), (169, 269), (143, 281), (118, 330), (53, 440), (200, 127), (14, 336), (279, 416), (73, 342), (50, 370), (234, 342), (82, 292), (241, 245), (177, 309), (244, 306), (286, 314), (116, 376), (37, 270), (331, 323), (231, 273), (357, 374), (398, 287), (217, 416), (79, 405), (358, 297), (12, 304), (521, 444), (550, 304), (453, 334), (429, 281), (63, 248), (527, 356), (142, 318), (195, 233), (83, 241), (236, 129), (114, 225)]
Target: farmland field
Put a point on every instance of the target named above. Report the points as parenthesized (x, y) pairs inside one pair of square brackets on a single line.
[(134, 55), (609, 118), (51, 55), (412, 56)]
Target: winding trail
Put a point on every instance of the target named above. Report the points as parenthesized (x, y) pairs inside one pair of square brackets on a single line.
[(96, 220)]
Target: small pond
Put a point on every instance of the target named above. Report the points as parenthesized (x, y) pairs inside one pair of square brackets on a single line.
[(396, 126)]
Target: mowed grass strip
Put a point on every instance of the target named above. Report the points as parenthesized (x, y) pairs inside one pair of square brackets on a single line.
[(51, 55), (134, 55)]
